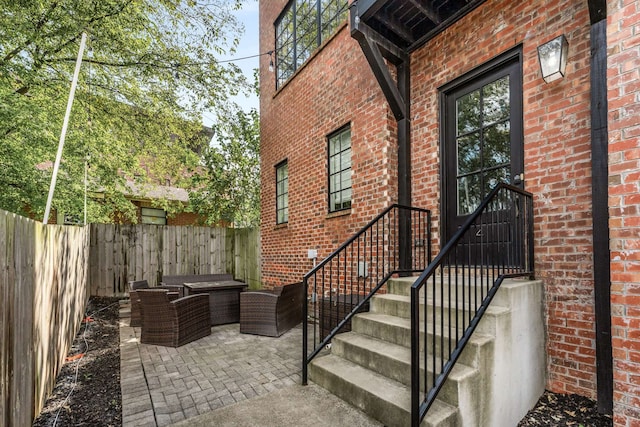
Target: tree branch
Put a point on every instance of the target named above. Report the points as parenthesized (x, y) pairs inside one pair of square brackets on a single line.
[(114, 64), (38, 26), (89, 23)]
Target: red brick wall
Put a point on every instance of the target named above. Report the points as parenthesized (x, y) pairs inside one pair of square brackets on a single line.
[(623, 76), (334, 88), (557, 158), (185, 218)]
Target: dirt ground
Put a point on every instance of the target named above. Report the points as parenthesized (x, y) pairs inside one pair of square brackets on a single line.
[(87, 390)]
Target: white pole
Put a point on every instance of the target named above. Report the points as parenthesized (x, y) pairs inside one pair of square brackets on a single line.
[(86, 168), (65, 124)]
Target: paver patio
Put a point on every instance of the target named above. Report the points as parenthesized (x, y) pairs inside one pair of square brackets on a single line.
[(163, 385)]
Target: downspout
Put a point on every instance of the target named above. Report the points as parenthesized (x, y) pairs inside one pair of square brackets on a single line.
[(600, 205)]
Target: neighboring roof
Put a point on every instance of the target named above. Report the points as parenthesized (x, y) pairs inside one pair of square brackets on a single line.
[(45, 165), (140, 191), (153, 191)]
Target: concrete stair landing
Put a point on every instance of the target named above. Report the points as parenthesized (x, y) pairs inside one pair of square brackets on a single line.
[(499, 377)]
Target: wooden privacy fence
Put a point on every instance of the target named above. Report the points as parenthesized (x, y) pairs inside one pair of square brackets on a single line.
[(246, 254), (43, 293), (119, 253), (47, 273)]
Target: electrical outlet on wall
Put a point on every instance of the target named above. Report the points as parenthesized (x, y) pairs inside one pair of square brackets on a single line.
[(363, 268)]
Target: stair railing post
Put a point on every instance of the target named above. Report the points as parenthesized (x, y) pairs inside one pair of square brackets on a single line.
[(404, 237), (305, 333), (415, 358)]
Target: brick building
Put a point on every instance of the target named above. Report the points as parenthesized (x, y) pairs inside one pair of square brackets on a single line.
[(331, 157)]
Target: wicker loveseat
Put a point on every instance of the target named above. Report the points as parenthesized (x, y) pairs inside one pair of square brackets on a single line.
[(271, 313), (173, 323)]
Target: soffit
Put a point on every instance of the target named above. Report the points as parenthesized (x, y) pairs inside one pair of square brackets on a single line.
[(408, 24)]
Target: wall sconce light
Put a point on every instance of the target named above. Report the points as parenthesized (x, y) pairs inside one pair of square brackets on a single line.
[(270, 61), (553, 58)]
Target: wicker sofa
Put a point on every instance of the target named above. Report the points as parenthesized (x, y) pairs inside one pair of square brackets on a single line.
[(173, 323), (271, 313)]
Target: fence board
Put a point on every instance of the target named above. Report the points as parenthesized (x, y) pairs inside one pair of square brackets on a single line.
[(44, 272), (9, 308), (247, 256), (22, 392)]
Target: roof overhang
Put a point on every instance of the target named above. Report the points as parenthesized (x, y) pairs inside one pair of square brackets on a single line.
[(409, 24), (388, 31)]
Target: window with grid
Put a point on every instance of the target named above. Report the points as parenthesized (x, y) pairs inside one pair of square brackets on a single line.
[(340, 170), (301, 28), (153, 216), (282, 193)]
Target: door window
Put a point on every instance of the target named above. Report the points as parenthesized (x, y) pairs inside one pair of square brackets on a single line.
[(483, 142)]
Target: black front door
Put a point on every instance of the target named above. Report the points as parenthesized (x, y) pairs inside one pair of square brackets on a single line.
[(482, 146)]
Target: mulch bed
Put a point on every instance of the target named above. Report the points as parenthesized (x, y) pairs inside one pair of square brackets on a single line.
[(92, 397), (565, 410), (87, 390)]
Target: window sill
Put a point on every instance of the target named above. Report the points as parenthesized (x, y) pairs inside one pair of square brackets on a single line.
[(281, 226), (338, 214)]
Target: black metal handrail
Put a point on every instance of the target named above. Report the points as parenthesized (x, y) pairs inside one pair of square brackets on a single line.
[(494, 243), (396, 241)]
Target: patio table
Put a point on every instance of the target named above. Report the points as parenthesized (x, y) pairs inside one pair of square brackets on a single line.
[(224, 299)]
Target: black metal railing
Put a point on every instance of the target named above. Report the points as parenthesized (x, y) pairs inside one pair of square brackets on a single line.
[(452, 294), (397, 241)]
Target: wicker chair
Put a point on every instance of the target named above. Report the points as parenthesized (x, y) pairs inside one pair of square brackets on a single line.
[(271, 313), (134, 286), (173, 323)]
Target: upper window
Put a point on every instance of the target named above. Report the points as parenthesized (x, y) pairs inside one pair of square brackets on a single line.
[(301, 28), (282, 193), (153, 216), (340, 170)]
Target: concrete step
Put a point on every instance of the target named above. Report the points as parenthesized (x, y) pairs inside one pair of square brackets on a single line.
[(446, 287), (397, 330), (369, 366), (394, 362), (447, 311), (380, 397), (451, 314)]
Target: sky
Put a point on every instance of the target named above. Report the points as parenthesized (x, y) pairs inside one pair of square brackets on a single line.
[(249, 46)]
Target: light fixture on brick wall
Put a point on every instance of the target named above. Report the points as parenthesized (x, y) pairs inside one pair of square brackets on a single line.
[(270, 53), (553, 58)]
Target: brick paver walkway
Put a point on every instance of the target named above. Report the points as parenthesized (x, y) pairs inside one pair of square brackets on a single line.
[(164, 385)]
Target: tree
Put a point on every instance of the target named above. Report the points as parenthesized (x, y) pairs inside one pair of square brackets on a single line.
[(228, 189), (149, 73)]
